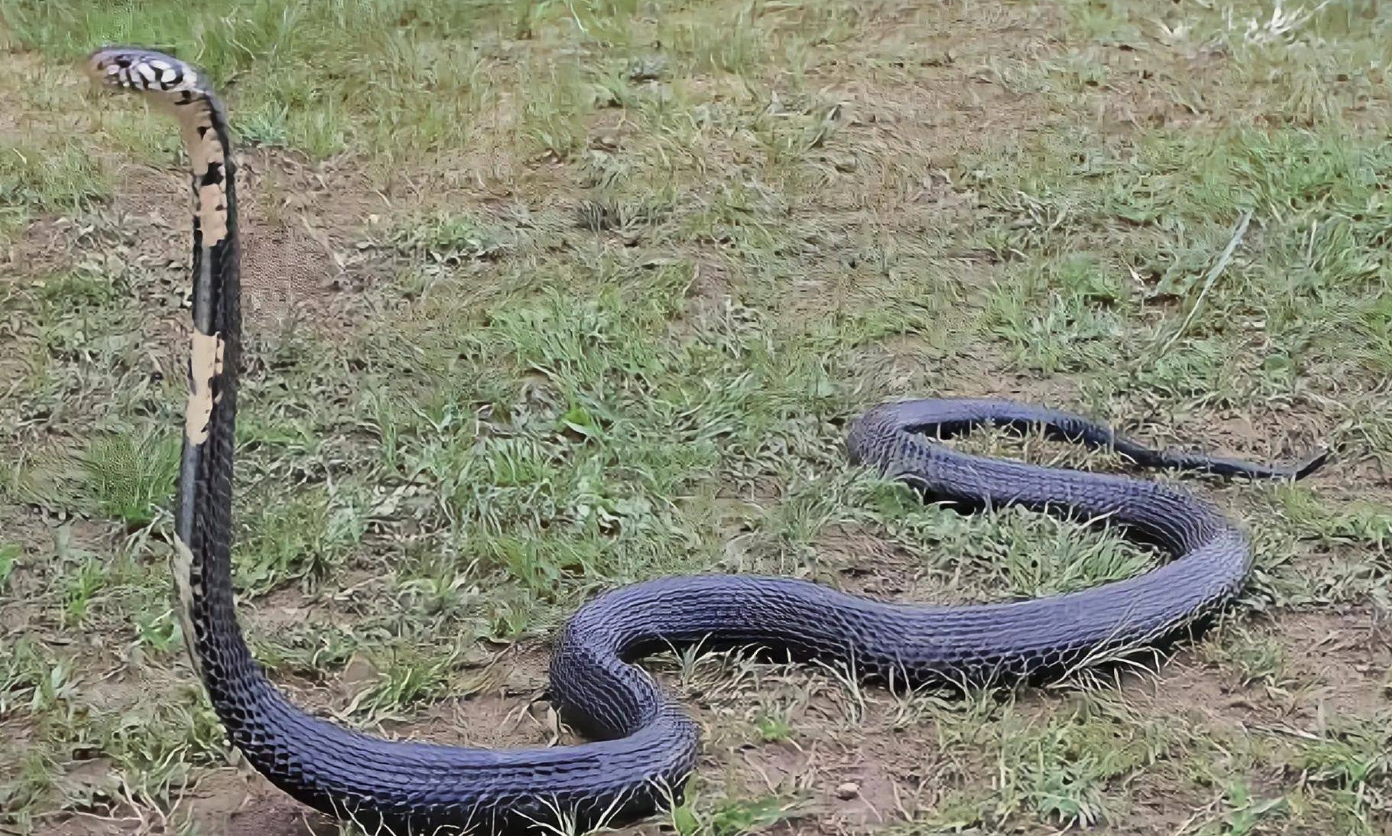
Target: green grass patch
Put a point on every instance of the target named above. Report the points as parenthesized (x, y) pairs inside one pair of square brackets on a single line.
[(132, 478)]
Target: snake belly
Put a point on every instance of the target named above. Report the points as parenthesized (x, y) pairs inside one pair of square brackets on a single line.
[(641, 746)]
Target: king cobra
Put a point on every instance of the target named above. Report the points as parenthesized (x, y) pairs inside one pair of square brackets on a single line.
[(641, 747)]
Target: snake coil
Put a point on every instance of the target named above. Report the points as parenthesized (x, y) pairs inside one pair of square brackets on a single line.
[(642, 746)]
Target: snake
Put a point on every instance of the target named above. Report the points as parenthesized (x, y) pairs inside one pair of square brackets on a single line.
[(641, 748)]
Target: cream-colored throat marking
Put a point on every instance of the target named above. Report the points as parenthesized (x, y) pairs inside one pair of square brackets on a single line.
[(205, 363), (204, 150)]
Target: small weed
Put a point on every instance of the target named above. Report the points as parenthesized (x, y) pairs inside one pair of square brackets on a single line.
[(65, 179), (552, 118), (409, 677), (731, 817), (1350, 756), (33, 679), (131, 478), (156, 747), (773, 727), (158, 631), (10, 554), (732, 46), (1061, 769), (1245, 814), (1359, 523), (267, 125), (304, 536), (34, 779), (449, 238), (1259, 660), (82, 589), (1040, 555)]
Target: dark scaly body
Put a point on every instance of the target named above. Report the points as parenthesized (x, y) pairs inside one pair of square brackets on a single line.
[(643, 746)]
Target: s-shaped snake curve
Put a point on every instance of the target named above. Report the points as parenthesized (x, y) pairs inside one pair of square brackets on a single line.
[(642, 747)]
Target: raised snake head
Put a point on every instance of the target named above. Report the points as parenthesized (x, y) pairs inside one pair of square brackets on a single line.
[(143, 71)]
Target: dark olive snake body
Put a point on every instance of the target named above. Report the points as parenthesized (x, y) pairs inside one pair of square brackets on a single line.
[(642, 746)]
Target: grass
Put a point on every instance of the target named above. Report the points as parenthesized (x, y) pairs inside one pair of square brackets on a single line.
[(45, 179), (609, 279)]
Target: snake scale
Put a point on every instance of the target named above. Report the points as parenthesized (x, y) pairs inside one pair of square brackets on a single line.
[(641, 746)]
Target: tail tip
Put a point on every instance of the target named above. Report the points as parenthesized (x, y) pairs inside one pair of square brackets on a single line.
[(1313, 464)]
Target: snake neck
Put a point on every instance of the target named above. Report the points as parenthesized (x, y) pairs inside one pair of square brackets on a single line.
[(203, 505)]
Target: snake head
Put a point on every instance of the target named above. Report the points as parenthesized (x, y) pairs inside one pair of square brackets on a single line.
[(142, 71)]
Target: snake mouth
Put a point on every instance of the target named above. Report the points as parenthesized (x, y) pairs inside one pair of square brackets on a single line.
[(139, 70)]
